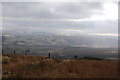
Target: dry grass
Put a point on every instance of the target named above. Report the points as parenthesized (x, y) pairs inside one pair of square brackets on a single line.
[(20, 66)]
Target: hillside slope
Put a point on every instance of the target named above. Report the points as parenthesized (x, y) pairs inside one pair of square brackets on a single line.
[(20, 66)]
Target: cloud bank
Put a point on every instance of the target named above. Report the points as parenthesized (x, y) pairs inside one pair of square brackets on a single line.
[(64, 18)]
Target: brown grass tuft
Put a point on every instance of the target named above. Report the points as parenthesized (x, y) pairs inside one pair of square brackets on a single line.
[(20, 66)]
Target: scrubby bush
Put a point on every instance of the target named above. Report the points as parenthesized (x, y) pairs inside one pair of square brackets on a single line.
[(92, 58)]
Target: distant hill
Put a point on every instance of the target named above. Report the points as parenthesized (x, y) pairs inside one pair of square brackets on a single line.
[(89, 41)]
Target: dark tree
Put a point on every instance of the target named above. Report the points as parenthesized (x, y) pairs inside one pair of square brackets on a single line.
[(14, 51), (75, 57), (2, 51), (27, 51), (49, 55)]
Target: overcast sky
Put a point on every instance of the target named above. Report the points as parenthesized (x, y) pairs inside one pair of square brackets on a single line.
[(66, 18)]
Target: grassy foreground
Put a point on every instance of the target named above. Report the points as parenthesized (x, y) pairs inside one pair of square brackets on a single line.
[(21, 66)]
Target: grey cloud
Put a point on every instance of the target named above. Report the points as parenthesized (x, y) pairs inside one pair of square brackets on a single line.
[(51, 10), (91, 26), (50, 17)]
